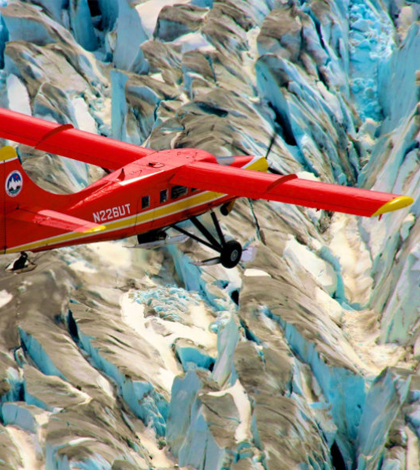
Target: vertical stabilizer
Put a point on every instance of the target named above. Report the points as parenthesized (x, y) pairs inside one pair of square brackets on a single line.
[(32, 218), (16, 190)]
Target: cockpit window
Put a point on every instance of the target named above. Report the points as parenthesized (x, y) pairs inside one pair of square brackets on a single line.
[(145, 202), (163, 195), (178, 191)]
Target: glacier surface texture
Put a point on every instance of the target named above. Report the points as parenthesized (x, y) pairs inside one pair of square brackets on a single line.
[(305, 356)]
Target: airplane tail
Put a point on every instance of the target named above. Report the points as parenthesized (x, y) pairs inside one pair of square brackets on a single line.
[(25, 209), (18, 188), (12, 179)]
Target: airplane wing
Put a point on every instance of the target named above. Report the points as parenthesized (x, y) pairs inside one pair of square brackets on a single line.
[(50, 218), (68, 142), (290, 189)]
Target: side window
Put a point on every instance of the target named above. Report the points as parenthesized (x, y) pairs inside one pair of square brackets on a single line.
[(178, 191), (163, 195), (145, 202)]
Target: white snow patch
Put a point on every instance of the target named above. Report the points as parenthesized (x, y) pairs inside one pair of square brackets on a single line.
[(330, 306), (24, 442), (84, 120), (413, 454), (133, 315), (18, 95), (80, 440), (105, 385), (42, 418), (82, 267), (306, 175), (160, 459), (243, 406), (5, 298), (249, 57), (113, 253), (158, 77), (193, 41), (255, 273)]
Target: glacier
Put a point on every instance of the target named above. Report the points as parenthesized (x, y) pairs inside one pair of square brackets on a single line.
[(305, 356)]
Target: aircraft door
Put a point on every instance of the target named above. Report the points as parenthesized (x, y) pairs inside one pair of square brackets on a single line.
[(145, 214)]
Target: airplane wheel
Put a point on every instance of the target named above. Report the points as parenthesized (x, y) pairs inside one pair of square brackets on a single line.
[(224, 210), (231, 254)]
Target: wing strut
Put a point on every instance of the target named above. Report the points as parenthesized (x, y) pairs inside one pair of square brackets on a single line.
[(52, 132)]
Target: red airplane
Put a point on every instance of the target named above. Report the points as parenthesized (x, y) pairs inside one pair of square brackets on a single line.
[(146, 192)]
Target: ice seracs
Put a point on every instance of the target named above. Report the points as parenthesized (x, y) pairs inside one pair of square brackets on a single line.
[(305, 357)]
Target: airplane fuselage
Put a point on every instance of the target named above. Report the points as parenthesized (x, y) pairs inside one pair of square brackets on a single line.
[(135, 199)]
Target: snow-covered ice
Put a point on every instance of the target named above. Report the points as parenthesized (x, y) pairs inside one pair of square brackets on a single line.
[(304, 356)]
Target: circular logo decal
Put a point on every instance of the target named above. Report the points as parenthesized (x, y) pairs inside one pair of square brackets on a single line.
[(14, 183)]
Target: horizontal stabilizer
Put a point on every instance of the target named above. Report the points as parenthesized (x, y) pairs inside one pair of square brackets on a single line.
[(290, 189), (50, 218)]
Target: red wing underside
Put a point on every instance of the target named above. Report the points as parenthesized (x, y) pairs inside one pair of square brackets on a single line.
[(49, 218), (289, 189), (66, 141)]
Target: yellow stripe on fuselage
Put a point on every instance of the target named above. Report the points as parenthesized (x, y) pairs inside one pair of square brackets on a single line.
[(140, 218), (121, 224)]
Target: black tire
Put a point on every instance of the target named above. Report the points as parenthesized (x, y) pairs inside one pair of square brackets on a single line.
[(231, 254), (224, 210)]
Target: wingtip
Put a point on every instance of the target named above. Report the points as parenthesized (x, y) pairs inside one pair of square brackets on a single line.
[(395, 204)]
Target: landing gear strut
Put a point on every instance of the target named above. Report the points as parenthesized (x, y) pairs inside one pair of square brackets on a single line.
[(230, 252)]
